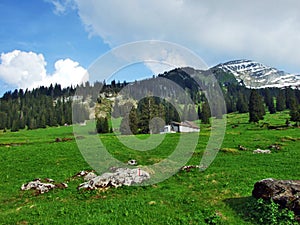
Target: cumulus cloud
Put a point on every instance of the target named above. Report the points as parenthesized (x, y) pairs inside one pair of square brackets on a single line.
[(261, 30), (28, 70)]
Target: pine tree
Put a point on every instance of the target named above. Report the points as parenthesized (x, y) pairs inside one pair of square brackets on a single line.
[(199, 112), (289, 97), (269, 101), (22, 123), (3, 120), (271, 107), (294, 111), (129, 124), (256, 107), (124, 126), (241, 104), (146, 111), (205, 113), (15, 126), (105, 125), (280, 101), (133, 121), (171, 113), (32, 124), (185, 113), (42, 121), (192, 115), (102, 125)]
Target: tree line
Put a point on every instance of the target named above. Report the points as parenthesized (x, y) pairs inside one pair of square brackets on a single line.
[(45, 106), (53, 105)]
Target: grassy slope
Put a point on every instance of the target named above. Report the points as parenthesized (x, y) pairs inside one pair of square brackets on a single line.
[(187, 197)]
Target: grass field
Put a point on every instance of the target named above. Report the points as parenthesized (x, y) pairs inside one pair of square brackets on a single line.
[(219, 195)]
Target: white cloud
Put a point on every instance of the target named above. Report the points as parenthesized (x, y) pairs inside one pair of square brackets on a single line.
[(261, 30), (61, 6), (27, 70)]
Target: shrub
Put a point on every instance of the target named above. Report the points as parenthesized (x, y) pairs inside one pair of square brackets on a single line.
[(269, 212)]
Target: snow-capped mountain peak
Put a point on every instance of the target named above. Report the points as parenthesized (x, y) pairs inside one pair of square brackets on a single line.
[(257, 75)]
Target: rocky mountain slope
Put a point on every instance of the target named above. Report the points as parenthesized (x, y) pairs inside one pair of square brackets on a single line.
[(257, 75)]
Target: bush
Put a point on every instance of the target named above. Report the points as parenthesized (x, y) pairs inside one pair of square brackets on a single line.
[(269, 212)]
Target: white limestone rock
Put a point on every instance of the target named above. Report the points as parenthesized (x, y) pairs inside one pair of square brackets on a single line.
[(120, 177)]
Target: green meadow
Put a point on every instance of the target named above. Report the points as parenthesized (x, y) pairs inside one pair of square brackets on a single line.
[(221, 194)]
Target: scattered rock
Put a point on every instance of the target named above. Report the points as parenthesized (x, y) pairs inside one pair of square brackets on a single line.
[(84, 173), (81, 173), (120, 177), (132, 162), (260, 151), (242, 148), (275, 147), (49, 180), (284, 192), (189, 167), (42, 187), (89, 176), (116, 178)]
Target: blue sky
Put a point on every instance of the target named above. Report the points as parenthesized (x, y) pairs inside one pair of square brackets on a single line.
[(32, 25), (44, 41)]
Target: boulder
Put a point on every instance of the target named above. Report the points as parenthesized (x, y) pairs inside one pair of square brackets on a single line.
[(42, 187), (117, 178), (284, 192), (89, 176), (260, 151)]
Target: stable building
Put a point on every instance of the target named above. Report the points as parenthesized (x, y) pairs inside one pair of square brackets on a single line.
[(182, 127)]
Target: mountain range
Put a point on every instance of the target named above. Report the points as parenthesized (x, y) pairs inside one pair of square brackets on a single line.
[(256, 75)]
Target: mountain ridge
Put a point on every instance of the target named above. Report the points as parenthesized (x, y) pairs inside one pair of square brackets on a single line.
[(257, 75)]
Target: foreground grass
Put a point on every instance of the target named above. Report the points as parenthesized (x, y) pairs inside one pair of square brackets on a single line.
[(220, 194)]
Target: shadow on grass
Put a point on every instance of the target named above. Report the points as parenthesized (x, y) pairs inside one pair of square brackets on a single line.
[(241, 207)]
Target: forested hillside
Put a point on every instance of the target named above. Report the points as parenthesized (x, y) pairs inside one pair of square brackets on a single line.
[(53, 105), (45, 106)]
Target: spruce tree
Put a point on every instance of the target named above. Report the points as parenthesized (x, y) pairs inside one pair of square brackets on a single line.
[(294, 111), (271, 107), (133, 121), (280, 101), (15, 126), (3, 120), (105, 125), (32, 124), (256, 107), (102, 125), (269, 101), (241, 104), (124, 126), (289, 97), (146, 111), (199, 112), (205, 113)]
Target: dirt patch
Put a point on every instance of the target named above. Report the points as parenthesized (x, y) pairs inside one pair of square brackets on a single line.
[(63, 139)]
